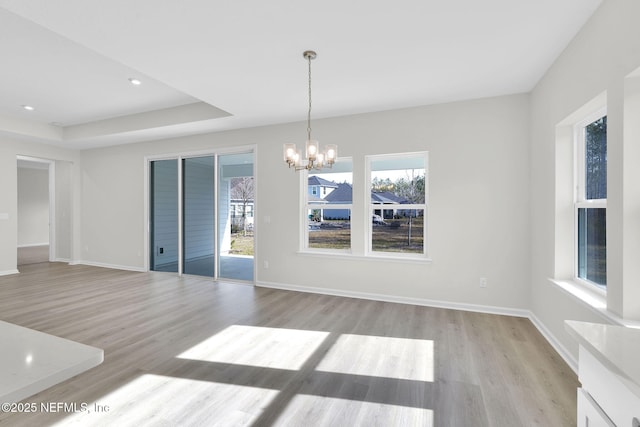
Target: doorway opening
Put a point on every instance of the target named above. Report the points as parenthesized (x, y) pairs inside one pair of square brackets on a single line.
[(35, 201)]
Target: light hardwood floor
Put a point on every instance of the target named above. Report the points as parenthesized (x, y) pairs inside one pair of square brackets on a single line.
[(188, 351)]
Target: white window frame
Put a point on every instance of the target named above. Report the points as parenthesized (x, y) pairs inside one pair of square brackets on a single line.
[(370, 207), (580, 202)]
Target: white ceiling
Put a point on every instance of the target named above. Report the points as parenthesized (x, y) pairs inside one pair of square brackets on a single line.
[(210, 65)]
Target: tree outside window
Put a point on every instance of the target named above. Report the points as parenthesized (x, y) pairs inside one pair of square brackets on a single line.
[(591, 202), (242, 192)]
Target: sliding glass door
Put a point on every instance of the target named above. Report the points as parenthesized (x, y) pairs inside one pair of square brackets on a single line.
[(164, 233), (235, 225), (198, 219), (201, 215)]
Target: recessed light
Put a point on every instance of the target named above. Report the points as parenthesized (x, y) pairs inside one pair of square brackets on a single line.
[(28, 107), (135, 82)]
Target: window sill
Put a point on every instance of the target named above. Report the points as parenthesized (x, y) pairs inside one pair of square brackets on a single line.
[(375, 258), (593, 300)]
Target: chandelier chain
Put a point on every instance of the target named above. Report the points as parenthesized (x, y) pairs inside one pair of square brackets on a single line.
[(309, 112)]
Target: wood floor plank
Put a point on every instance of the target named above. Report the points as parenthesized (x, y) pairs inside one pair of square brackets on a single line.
[(183, 351)]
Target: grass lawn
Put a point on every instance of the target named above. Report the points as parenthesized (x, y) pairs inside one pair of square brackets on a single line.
[(392, 237), (331, 235), (242, 245), (399, 236)]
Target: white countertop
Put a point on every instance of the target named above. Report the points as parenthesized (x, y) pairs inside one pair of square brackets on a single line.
[(616, 347), (31, 361)]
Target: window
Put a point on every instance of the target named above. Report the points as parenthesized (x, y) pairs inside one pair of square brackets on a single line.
[(391, 213), (397, 203), (591, 200), (327, 219)]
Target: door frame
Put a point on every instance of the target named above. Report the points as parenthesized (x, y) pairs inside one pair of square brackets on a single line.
[(51, 168)]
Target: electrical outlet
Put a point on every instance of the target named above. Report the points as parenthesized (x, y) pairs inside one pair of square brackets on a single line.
[(483, 282), (266, 264)]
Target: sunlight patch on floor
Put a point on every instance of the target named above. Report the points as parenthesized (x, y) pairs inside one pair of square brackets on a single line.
[(258, 346), (398, 358), (153, 400)]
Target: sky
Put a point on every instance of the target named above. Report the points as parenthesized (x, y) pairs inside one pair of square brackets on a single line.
[(393, 175)]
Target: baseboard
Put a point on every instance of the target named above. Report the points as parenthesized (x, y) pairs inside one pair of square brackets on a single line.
[(400, 300), (557, 346), (8, 272), (33, 245), (105, 265)]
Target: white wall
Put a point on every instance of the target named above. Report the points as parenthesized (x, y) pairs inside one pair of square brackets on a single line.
[(64, 199), (33, 206), (605, 51), (479, 211)]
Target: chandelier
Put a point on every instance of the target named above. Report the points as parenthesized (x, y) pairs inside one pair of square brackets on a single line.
[(314, 159)]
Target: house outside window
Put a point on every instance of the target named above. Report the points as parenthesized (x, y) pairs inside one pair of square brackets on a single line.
[(591, 200), (327, 219)]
